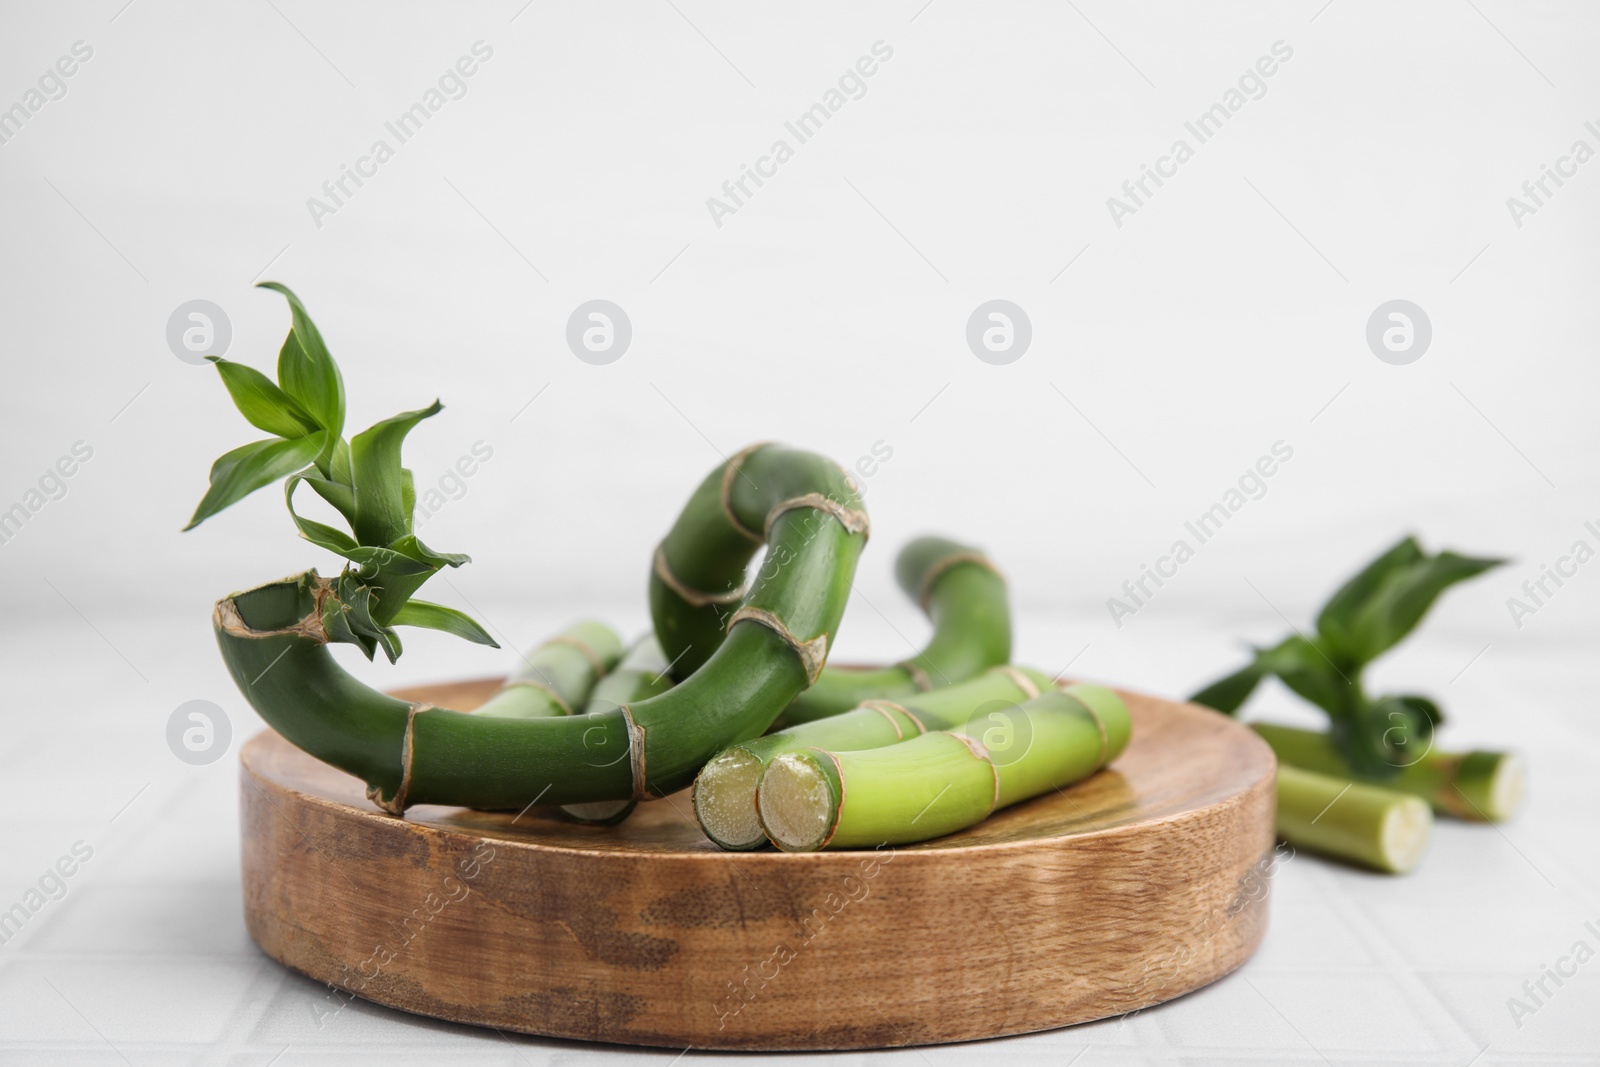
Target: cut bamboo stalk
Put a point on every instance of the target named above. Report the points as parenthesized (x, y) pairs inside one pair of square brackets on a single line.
[(943, 781), (1353, 821), (725, 790), (1481, 786)]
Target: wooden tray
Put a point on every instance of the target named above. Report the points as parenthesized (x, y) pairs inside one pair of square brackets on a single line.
[(1138, 885)]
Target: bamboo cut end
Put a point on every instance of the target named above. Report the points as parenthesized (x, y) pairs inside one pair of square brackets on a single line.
[(1493, 783), (796, 807), (725, 800), (1406, 831)]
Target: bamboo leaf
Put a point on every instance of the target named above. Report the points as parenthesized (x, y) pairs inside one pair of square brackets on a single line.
[(341, 496), (1228, 694), (336, 488), (339, 468), (411, 547), (1306, 670), (357, 599), (1388, 734), (336, 624), (438, 617), (1335, 624), (318, 533), (305, 369), (237, 474), (262, 403), (1402, 600), (380, 497)]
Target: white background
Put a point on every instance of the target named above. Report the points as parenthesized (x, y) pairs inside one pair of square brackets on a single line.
[(829, 312)]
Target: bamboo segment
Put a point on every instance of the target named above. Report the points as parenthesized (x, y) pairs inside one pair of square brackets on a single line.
[(725, 790), (1352, 821), (1478, 785), (943, 781), (641, 674), (752, 664), (557, 677), (965, 598)]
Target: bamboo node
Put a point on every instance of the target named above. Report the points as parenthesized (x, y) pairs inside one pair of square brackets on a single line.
[(730, 472), (396, 805), (936, 571), (693, 597), (534, 683), (583, 649), (887, 709), (919, 677), (1022, 681), (813, 653), (981, 751), (1100, 725), (854, 520), (636, 752)]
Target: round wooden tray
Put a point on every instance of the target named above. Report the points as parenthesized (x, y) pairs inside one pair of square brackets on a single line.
[(1142, 883)]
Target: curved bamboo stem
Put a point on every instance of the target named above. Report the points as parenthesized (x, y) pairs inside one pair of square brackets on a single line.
[(774, 645), (942, 781), (725, 789), (965, 597), (557, 677), (641, 674)]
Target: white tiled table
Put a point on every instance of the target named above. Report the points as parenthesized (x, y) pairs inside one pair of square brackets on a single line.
[(145, 960)]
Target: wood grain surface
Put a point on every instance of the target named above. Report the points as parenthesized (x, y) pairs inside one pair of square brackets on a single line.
[(1142, 883)]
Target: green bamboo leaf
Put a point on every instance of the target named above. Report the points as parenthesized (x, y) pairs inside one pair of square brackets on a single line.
[(336, 488), (1335, 624), (1405, 597), (262, 403), (411, 547), (317, 533), (237, 474), (380, 497), (1228, 694), (438, 617), (358, 598), (1305, 668), (371, 559), (1388, 734), (305, 369), (341, 496), (336, 624), (339, 468)]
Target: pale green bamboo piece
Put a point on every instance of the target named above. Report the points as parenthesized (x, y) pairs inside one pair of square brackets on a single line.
[(1353, 821), (725, 790), (942, 781), (557, 677), (1481, 786)]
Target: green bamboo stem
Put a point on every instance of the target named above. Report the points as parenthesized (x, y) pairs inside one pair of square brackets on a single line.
[(1481, 786), (769, 648), (557, 677), (725, 790), (965, 598), (942, 781), (1353, 821), (641, 674)]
